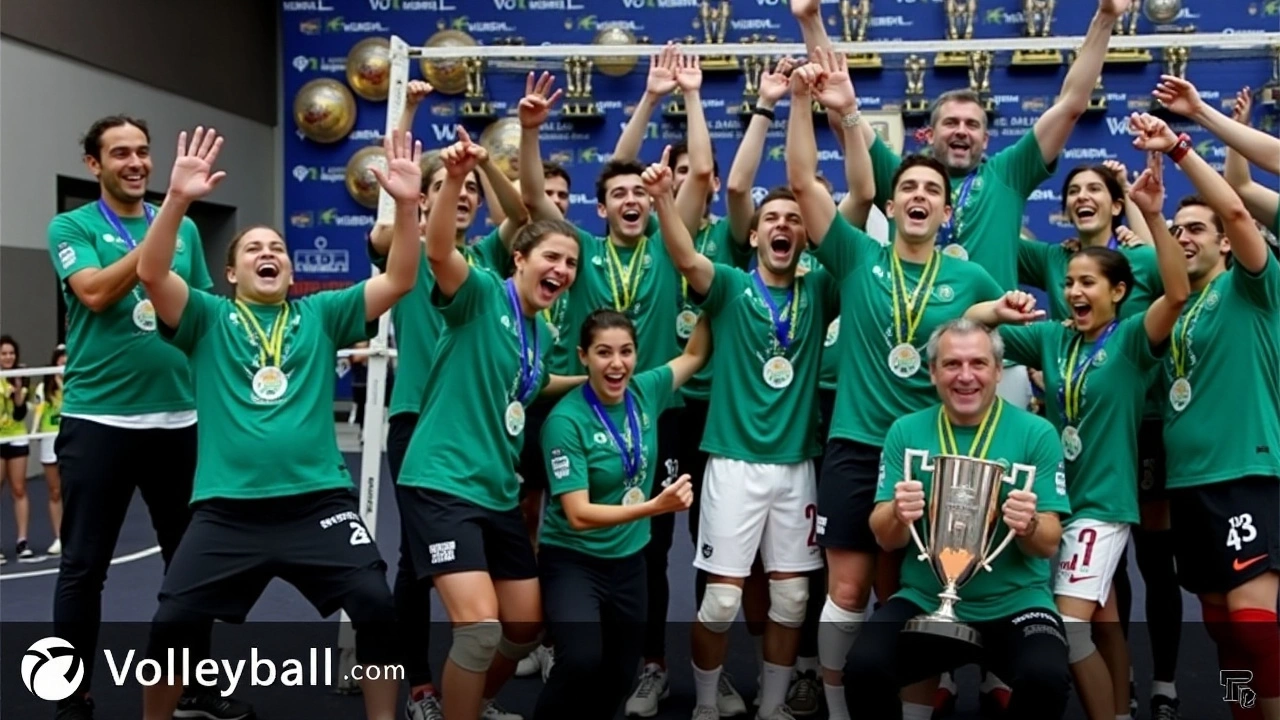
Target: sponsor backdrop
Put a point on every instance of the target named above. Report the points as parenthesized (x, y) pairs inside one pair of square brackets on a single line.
[(326, 226)]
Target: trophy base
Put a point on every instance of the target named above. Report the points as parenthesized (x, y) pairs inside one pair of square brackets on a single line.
[(865, 61), (952, 59), (722, 63), (1127, 55), (477, 110), (1098, 103), (818, 108), (675, 110), (944, 627), (582, 109), (1268, 96), (746, 108), (1037, 57), (915, 107)]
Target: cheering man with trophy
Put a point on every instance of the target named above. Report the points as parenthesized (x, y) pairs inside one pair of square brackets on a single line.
[(978, 486)]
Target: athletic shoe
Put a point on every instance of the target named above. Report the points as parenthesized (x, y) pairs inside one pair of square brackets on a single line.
[(804, 697), (425, 708), (539, 660), (705, 712), (782, 712), (494, 711), (75, 709), (1164, 708), (55, 548), (3, 560), (728, 701), (1133, 700), (212, 707), (652, 689), (25, 553)]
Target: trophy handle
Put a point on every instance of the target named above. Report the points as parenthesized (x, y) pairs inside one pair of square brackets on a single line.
[(1011, 478), (906, 467)]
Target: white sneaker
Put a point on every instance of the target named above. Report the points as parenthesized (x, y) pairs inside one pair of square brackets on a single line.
[(705, 712), (728, 701), (782, 712), (428, 708), (651, 689), (494, 711), (55, 548), (540, 660)]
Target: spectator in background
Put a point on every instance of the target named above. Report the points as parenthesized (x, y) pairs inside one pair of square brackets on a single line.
[(47, 420), (13, 455)]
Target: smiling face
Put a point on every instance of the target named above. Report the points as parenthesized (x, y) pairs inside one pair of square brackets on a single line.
[(546, 269), (468, 199), (960, 135), (919, 204), (1089, 204), (1204, 246), (557, 190), (625, 207), (966, 373), (1089, 293), (123, 163), (610, 362), (779, 235), (262, 271), (8, 356)]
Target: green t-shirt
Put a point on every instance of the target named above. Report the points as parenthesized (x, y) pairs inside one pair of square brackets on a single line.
[(463, 444), (1229, 334), (1017, 582), (1275, 224), (418, 323), (1102, 450), (266, 426), (764, 403), (989, 221), (869, 395), (830, 369), (716, 243), (581, 454), (116, 364), (1044, 266)]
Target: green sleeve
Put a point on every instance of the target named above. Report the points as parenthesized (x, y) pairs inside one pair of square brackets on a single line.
[(199, 266), (71, 247), (565, 457), (1145, 264), (1135, 344), (477, 291), (1050, 486), (892, 461), (828, 294), (884, 163), (725, 285), (984, 285), (342, 314), (651, 225), (656, 387), (195, 321), (1022, 167), (843, 247), (1034, 258), (491, 252), (1261, 289), (1023, 343)]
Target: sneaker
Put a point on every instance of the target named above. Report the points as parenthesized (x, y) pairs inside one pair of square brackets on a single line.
[(539, 661), (25, 553), (705, 712), (804, 697), (652, 689), (782, 712), (1133, 700), (212, 707), (728, 701), (994, 703), (3, 560), (425, 708), (55, 548), (1164, 708), (76, 709), (494, 711)]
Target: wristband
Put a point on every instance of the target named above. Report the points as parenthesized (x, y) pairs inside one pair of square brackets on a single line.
[(1180, 149), (763, 112)]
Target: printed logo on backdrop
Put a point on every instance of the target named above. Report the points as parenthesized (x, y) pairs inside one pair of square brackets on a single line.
[(303, 173), (321, 260), (412, 5)]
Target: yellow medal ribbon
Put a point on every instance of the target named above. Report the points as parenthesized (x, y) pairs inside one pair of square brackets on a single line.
[(1178, 348), (904, 306), (981, 441), (629, 276), (270, 347)]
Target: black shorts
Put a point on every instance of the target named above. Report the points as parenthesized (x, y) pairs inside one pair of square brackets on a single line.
[(9, 451), (1151, 463), (847, 495), (399, 432), (533, 466), (826, 408), (1225, 534), (233, 548), (447, 534)]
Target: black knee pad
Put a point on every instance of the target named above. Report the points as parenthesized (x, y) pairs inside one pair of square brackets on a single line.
[(177, 628)]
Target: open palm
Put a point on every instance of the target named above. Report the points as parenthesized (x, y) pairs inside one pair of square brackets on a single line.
[(1178, 95), (403, 176), (836, 89), (193, 175)]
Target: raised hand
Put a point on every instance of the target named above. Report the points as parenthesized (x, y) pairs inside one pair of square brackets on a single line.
[(1114, 8), (675, 497), (1242, 110), (1178, 95), (461, 158), (835, 89), (908, 501), (417, 91), (1148, 191), (1153, 133), (1020, 512), (1128, 238), (805, 79), (689, 77), (1119, 172), (402, 178), (657, 178), (535, 106), (1017, 307), (773, 85), (193, 177), (663, 71)]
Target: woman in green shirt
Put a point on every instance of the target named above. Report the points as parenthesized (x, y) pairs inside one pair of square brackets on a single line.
[(601, 449), (1096, 371)]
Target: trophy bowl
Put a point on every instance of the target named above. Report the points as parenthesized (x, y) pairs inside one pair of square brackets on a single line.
[(615, 66), (502, 140), (369, 68), (362, 186), (447, 76), (962, 517), (1161, 12), (324, 110)]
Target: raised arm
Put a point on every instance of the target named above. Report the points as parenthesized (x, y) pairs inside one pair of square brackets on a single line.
[(859, 176), (696, 353), (746, 162), (192, 178), (1055, 126), (816, 208), (697, 269), (533, 111), (448, 264), (402, 180), (1182, 98), (1015, 307), (663, 70), (583, 514), (503, 194), (415, 93), (1133, 217), (1247, 245), (1148, 195), (691, 201), (1259, 199)]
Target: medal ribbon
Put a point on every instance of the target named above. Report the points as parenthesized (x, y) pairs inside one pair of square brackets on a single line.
[(904, 307), (957, 208), (1072, 388), (630, 446), (986, 432), (784, 320), (630, 276), (530, 370), (1112, 243), (270, 347), (118, 225), (1178, 348)]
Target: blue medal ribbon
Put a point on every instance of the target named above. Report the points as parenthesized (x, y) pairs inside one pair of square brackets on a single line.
[(530, 370), (1112, 243), (956, 207), (629, 447), (118, 225), (1073, 380), (784, 320)]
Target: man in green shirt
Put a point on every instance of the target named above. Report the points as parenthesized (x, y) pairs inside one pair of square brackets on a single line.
[(129, 415), (1022, 636)]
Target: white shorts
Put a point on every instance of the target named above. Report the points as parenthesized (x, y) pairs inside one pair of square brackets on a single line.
[(47, 455), (1090, 552), (1015, 386), (750, 507)]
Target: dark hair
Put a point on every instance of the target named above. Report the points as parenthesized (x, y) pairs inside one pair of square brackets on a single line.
[(92, 140), (51, 380), (531, 235), (778, 193), (603, 319), (1115, 268), (682, 148), (433, 164), (1197, 201), (235, 241), (554, 169), (17, 351), (963, 95), (825, 182), (919, 160), (613, 169), (1108, 179)]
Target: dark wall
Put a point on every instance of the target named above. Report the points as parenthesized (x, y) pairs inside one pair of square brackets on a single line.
[(222, 53)]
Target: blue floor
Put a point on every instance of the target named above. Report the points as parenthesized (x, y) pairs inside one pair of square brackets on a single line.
[(130, 597)]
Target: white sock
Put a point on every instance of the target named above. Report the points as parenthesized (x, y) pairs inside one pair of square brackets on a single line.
[(1166, 689), (808, 664), (836, 707), (916, 711), (704, 685), (948, 683), (773, 687), (837, 630), (991, 682)]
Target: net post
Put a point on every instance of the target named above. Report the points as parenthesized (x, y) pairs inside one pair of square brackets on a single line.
[(374, 407)]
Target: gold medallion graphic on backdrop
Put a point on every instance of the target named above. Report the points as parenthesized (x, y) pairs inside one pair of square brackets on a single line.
[(778, 372), (144, 316), (515, 418), (270, 383), (904, 360)]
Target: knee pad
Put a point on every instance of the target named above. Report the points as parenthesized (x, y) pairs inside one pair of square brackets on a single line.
[(518, 651), (175, 627), (787, 600), (1079, 639), (837, 631), (474, 645), (720, 604)]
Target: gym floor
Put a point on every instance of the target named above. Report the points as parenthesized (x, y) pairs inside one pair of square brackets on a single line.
[(129, 600)]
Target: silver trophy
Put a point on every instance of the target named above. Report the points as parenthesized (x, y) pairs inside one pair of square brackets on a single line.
[(963, 514)]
